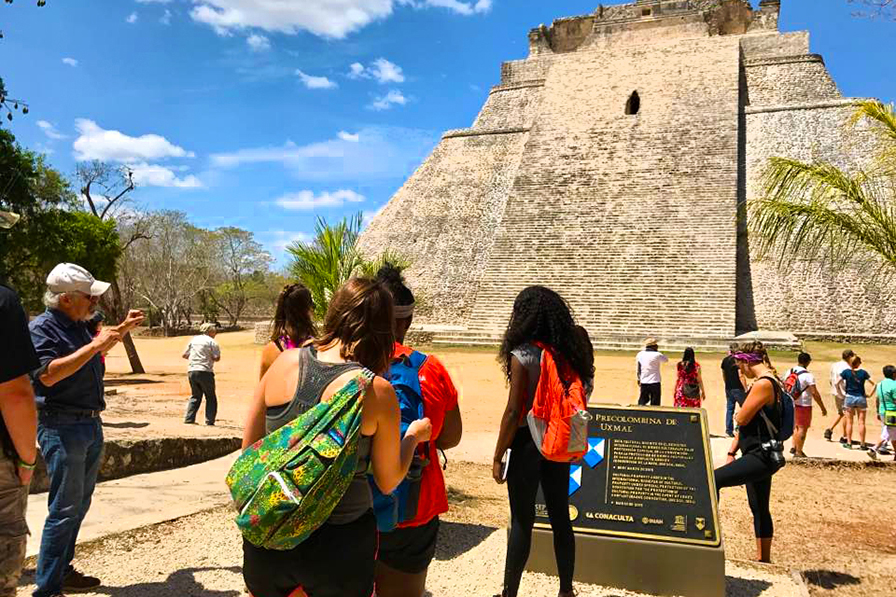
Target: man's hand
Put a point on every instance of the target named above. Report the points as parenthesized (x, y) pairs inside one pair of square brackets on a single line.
[(106, 339), (134, 318), (824, 411), (25, 475)]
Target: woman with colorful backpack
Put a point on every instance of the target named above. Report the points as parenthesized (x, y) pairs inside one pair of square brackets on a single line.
[(689, 391), (293, 324), (760, 417), (326, 547), (541, 321), (408, 533)]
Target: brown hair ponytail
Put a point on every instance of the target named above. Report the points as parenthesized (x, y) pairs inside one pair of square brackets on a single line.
[(293, 316)]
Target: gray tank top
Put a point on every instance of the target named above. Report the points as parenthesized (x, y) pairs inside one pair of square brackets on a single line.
[(314, 377)]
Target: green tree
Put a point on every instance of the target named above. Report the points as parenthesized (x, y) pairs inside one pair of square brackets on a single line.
[(332, 257), (819, 211), (241, 259), (52, 230), (326, 262)]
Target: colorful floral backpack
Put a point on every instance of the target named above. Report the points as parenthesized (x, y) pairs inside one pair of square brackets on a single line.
[(287, 484)]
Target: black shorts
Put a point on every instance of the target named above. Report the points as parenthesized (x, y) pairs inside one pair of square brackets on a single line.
[(336, 560), (409, 550)]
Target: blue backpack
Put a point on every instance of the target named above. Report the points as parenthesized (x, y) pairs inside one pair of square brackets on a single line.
[(401, 504), (786, 409)]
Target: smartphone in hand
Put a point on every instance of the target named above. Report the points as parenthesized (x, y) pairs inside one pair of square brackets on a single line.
[(505, 464)]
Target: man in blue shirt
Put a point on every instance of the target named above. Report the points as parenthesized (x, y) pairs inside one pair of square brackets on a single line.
[(69, 391)]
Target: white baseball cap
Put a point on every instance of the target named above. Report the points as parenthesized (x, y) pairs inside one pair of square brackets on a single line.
[(68, 277)]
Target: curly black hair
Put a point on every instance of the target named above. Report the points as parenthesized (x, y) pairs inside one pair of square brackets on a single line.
[(390, 276), (540, 314)]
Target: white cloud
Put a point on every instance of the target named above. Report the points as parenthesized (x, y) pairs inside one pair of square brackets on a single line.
[(316, 82), (325, 18), (50, 130), (307, 200), (166, 18), (154, 175), (380, 153), (279, 240), (70, 61), (457, 6), (345, 136), (258, 43), (381, 70), (96, 143), (132, 18), (385, 102)]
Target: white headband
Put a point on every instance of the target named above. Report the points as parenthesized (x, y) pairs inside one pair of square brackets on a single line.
[(403, 311)]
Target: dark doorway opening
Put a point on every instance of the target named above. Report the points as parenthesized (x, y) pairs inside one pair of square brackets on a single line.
[(633, 105)]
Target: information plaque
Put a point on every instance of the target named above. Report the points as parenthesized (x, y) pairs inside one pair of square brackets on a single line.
[(643, 505), (647, 474)]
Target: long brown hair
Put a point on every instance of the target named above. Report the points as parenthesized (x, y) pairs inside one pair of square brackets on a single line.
[(360, 317), (293, 316)]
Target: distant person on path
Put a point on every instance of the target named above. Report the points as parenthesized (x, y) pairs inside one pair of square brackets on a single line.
[(293, 325), (852, 384), (761, 455), (202, 353), (405, 553), (539, 315), (886, 411), (734, 388), (803, 403), (648, 363), (70, 399), (836, 391), (18, 430), (689, 390), (338, 559)]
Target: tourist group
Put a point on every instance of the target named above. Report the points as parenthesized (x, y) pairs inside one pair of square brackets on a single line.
[(340, 487)]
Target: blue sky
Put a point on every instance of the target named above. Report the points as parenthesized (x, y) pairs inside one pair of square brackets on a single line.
[(263, 115)]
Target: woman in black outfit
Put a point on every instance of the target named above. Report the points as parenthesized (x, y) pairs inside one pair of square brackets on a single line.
[(539, 315), (759, 460)]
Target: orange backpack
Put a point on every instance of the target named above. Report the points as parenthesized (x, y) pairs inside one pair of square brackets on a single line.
[(559, 417)]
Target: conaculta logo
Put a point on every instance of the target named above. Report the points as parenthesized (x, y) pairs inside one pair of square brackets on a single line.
[(614, 517)]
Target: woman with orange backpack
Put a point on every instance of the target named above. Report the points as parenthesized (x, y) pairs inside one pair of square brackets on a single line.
[(540, 320), (337, 559), (408, 547)]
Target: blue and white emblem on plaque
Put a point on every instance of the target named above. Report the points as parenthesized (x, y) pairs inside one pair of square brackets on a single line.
[(595, 453), (575, 478)]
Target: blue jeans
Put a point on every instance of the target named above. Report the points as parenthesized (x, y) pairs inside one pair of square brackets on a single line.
[(732, 396), (71, 447)]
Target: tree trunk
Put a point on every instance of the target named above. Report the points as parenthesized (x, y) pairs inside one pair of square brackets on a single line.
[(120, 313)]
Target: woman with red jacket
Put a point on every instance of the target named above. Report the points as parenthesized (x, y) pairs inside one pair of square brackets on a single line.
[(406, 552)]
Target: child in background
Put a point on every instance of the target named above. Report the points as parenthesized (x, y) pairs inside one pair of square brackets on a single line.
[(886, 412)]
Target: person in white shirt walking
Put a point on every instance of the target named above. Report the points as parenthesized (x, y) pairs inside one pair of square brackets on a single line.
[(803, 403), (649, 361), (837, 370), (202, 353)]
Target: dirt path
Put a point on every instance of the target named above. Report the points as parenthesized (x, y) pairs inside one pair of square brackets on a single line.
[(161, 394)]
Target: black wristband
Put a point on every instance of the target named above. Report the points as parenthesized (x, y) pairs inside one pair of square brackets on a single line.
[(732, 453)]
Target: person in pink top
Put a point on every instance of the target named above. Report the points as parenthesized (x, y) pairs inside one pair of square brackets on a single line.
[(293, 325)]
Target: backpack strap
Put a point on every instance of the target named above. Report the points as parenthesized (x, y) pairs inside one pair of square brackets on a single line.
[(772, 429)]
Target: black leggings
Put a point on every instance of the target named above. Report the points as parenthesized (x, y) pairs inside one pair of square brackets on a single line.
[(754, 471), (336, 560), (527, 468)]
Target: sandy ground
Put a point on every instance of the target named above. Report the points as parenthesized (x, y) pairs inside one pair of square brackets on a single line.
[(160, 396), (835, 524), (832, 525)]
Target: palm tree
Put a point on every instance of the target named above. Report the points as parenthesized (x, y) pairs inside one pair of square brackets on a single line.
[(326, 262), (332, 257), (810, 210)]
